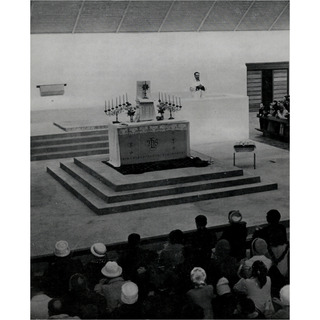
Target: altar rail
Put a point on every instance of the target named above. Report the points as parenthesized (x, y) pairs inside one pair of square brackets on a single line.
[(274, 127), (152, 243)]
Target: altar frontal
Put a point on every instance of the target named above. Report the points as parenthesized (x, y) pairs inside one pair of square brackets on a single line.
[(148, 141)]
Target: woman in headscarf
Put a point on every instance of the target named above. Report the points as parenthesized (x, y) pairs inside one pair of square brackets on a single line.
[(202, 293)]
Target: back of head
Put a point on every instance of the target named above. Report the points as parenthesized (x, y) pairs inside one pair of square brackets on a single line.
[(222, 248), (176, 236), (273, 216), (259, 247), (55, 307), (285, 295), (198, 276), (259, 271), (234, 216), (201, 221), (134, 239), (78, 283), (129, 293)]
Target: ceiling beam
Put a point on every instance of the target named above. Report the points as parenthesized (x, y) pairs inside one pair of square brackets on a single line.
[(280, 14), (78, 17), (123, 16), (166, 16), (237, 26), (206, 16)]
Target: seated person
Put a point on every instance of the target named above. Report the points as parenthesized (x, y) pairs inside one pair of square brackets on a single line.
[(282, 112)]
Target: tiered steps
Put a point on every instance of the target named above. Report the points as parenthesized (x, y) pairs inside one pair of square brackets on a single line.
[(68, 145), (105, 190)]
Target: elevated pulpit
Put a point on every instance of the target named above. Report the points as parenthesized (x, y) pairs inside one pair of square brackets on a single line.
[(145, 106)]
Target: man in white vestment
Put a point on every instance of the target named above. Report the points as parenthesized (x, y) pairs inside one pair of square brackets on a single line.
[(197, 88)]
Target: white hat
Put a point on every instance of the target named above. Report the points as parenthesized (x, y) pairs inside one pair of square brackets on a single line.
[(235, 216), (61, 249), (98, 249), (285, 295), (129, 293), (111, 270), (198, 275), (223, 286)]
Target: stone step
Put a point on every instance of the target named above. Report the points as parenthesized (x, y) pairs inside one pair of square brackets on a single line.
[(69, 147), (70, 134), (100, 207), (69, 154), (109, 195), (119, 182), (69, 140)]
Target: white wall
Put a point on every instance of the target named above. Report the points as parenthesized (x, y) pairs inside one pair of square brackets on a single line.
[(98, 67)]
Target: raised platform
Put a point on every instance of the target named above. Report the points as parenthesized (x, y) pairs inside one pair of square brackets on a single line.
[(106, 191), (70, 126)]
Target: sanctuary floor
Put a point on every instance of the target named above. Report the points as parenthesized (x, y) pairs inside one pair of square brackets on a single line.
[(57, 214)]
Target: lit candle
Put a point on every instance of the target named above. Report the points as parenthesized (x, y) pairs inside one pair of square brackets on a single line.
[(112, 102), (119, 100), (116, 101), (123, 100), (126, 97), (159, 95), (173, 100), (105, 105), (169, 98), (108, 104), (165, 97), (180, 101)]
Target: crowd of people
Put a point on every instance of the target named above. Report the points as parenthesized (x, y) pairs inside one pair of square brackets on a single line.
[(278, 109), (200, 277)]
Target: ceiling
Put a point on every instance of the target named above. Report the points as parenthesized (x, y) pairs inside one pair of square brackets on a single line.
[(89, 16)]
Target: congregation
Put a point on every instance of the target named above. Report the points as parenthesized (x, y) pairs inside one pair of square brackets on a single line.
[(208, 276)]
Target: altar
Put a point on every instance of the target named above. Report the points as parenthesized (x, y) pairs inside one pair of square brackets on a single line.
[(142, 142)]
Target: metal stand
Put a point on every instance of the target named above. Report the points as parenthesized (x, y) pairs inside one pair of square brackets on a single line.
[(254, 159)]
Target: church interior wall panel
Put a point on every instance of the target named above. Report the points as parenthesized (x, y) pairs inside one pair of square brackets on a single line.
[(98, 67)]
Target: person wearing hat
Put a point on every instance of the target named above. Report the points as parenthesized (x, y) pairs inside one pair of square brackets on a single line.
[(110, 286), (236, 234), (98, 259), (259, 249), (81, 299), (202, 293), (130, 307), (224, 303), (283, 303), (61, 269)]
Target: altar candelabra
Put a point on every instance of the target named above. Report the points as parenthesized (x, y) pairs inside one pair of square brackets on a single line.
[(173, 104), (115, 110)]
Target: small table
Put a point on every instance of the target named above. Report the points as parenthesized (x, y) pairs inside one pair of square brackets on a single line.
[(246, 146)]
